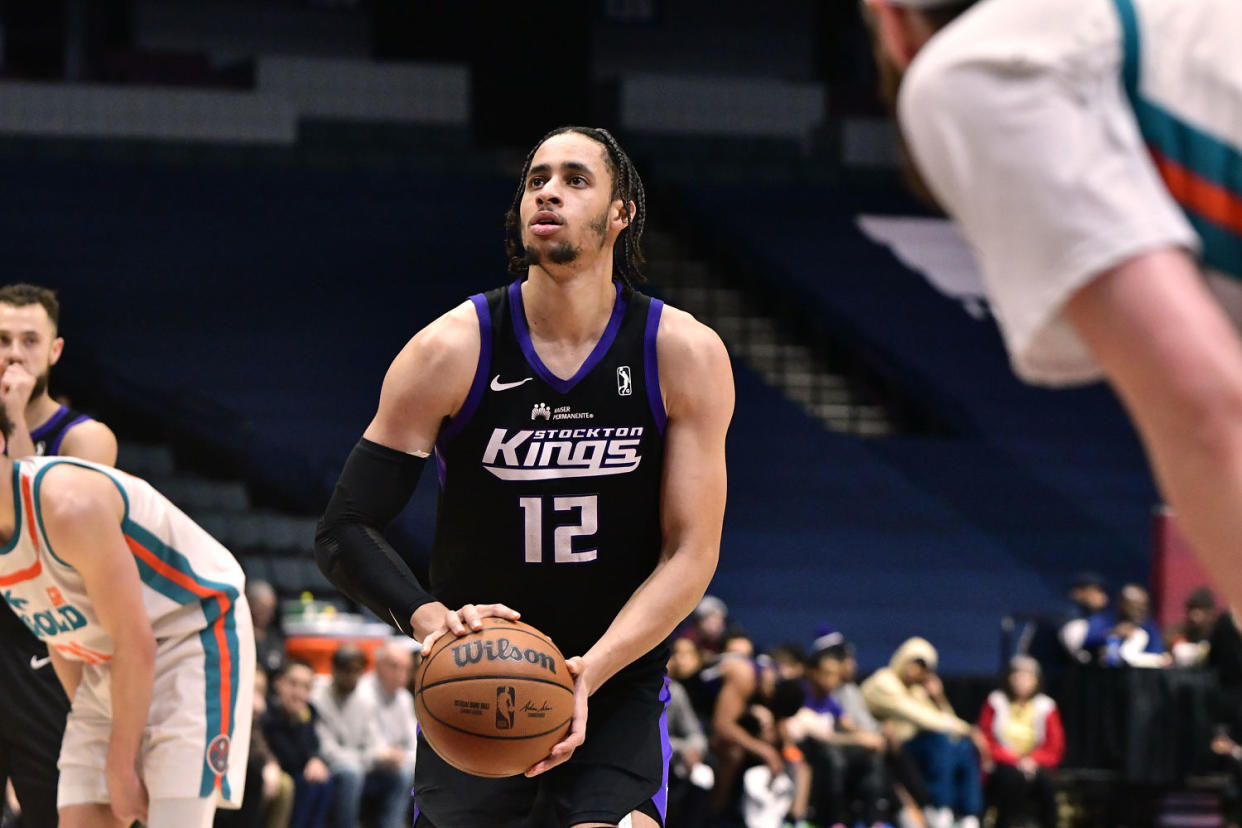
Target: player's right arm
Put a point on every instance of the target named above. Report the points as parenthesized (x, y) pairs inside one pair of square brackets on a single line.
[(426, 384), (69, 672), (82, 512)]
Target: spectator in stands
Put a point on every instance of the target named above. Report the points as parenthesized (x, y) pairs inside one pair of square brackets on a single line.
[(708, 624), (344, 730), (909, 695), (1126, 634), (1188, 644), (847, 761), (289, 728), (733, 683), (394, 730), (772, 799), (268, 802), (1230, 753), (1089, 593), (789, 659), (737, 642), (909, 791), (1026, 742), (690, 777), (269, 641)]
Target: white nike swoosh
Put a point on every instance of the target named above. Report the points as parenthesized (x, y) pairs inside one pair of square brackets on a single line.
[(497, 385), (37, 663)]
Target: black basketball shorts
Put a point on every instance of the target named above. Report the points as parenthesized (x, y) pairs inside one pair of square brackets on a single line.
[(33, 708), (621, 767)]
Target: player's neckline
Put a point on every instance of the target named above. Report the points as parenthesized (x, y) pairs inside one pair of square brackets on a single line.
[(517, 310)]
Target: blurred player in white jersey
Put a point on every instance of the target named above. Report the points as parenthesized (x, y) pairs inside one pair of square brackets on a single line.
[(1091, 154), (148, 629)]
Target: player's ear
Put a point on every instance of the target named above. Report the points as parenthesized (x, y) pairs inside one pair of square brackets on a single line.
[(892, 28), (623, 213), (58, 345)]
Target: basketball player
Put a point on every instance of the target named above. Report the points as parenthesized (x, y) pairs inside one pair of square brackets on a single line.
[(579, 430), (32, 718), (149, 634), (1091, 153)]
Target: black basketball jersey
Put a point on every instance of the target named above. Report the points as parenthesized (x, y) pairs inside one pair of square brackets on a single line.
[(550, 487)]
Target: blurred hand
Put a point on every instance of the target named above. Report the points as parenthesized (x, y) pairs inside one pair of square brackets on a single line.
[(316, 771), (773, 759), (392, 757), (1028, 766), (271, 779), (934, 686), (871, 741), (126, 794), (430, 621), (565, 748), (15, 386)]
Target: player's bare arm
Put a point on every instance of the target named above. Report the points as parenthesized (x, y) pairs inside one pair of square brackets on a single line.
[(427, 383), (697, 382), (82, 513), (1176, 361), (91, 440)]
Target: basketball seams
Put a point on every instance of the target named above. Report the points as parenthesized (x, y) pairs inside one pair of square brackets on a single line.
[(496, 677)]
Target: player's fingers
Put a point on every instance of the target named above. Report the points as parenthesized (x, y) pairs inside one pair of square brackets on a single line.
[(470, 616), (455, 621), (575, 665), (499, 611), (431, 639)]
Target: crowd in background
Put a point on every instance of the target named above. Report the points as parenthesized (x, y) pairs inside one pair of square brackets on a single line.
[(789, 736)]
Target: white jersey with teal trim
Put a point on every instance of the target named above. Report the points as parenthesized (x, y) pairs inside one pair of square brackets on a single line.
[(1068, 136), (190, 581), (198, 726)]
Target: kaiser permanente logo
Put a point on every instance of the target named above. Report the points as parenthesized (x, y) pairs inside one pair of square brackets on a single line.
[(529, 454)]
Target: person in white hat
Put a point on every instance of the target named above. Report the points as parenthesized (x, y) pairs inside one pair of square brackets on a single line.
[(1091, 153)]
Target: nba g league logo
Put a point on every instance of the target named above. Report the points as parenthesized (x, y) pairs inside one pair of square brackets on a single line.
[(506, 705), (625, 385)]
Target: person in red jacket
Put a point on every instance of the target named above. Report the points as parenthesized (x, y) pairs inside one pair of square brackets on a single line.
[(1025, 743)]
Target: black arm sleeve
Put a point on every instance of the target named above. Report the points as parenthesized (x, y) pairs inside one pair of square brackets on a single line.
[(375, 485)]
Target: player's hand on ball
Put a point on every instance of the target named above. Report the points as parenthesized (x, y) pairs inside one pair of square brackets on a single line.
[(127, 795), (430, 621), (565, 748)]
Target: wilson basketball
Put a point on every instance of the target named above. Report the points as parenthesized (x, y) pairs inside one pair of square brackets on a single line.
[(494, 702)]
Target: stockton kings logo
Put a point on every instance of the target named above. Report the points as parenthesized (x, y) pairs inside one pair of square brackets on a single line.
[(218, 754), (547, 454)]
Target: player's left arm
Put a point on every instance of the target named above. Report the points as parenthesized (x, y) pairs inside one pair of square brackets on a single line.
[(90, 440), (82, 512), (697, 381)]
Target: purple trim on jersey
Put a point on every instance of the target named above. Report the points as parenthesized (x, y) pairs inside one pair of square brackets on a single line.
[(441, 466), (561, 386), (54, 448), (660, 800), (39, 433), (651, 365), (479, 385)]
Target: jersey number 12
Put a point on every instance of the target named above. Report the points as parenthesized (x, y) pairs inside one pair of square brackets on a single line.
[(563, 536)]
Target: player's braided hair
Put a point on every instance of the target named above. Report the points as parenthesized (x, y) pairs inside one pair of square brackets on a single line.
[(627, 254)]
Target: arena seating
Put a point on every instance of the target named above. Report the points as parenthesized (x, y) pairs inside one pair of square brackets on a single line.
[(317, 277)]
